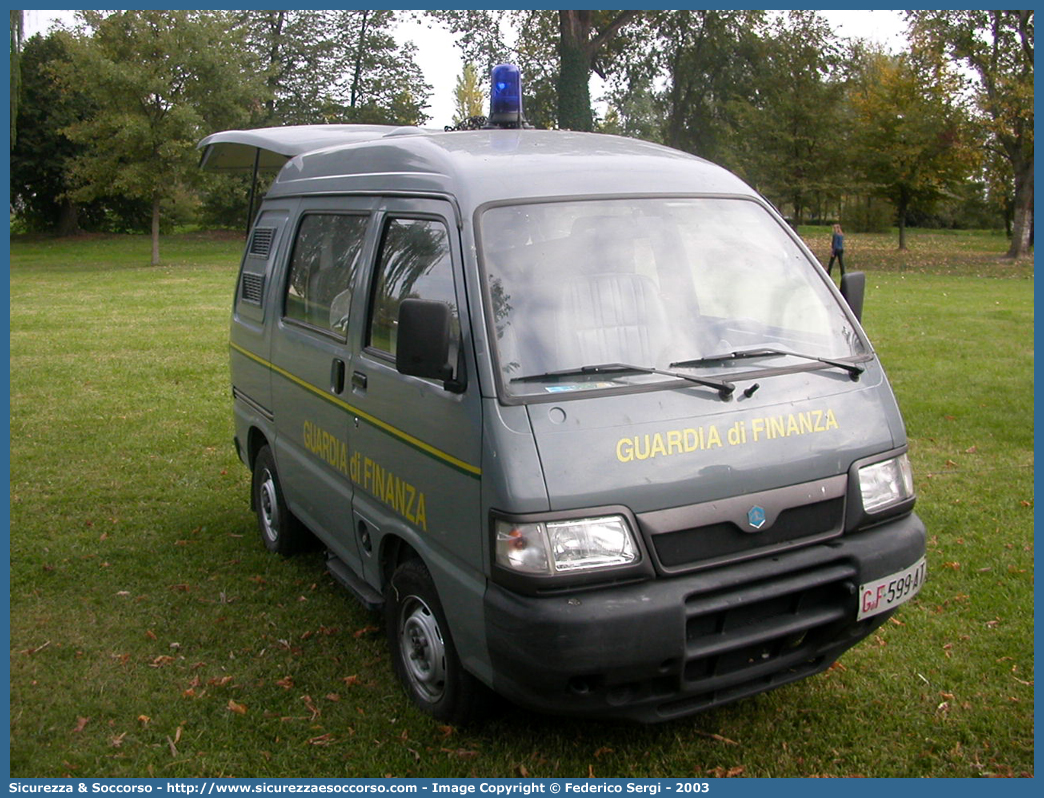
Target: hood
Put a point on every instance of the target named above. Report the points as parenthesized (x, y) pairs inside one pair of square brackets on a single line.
[(683, 445)]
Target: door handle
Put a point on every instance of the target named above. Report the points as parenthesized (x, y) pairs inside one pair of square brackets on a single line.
[(337, 375), (359, 380)]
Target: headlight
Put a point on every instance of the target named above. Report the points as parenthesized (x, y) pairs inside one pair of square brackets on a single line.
[(556, 547), (886, 483)]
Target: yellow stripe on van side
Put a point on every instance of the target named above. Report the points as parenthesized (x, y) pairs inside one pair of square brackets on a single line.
[(405, 437)]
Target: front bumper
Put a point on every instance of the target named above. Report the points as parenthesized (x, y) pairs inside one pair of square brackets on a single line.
[(668, 647)]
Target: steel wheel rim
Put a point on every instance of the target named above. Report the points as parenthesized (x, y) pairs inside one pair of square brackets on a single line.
[(422, 649), (268, 507)]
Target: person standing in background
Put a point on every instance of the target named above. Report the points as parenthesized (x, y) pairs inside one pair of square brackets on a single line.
[(837, 249)]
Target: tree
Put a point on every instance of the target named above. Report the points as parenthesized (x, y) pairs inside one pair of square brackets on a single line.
[(41, 156), (335, 66), (583, 36), (703, 62), (997, 46), (468, 96), (790, 135), (911, 142), (556, 51), (387, 85), (159, 81)]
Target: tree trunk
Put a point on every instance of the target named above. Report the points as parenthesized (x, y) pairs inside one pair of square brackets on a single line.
[(357, 77), (576, 52), (1021, 230), (68, 218), (275, 68), (155, 229), (902, 207), (574, 93)]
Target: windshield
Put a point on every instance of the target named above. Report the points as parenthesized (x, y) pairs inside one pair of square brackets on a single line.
[(649, 283)]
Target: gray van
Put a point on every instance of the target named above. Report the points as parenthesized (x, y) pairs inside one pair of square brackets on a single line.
[(580, 414)]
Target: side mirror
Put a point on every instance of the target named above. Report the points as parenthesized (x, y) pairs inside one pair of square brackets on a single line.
[(853, 289), (423, 345)]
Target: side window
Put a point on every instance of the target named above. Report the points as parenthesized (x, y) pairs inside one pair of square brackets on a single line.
[(322, 270), (414, 263)]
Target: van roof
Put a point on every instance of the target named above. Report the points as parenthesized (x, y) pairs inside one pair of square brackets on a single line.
[(474, 167)]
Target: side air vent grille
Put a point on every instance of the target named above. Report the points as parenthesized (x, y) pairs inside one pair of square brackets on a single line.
[(261, 242), (253, 288)]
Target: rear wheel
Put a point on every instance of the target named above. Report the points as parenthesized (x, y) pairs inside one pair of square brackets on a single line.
[(423, 654), (280, 531)]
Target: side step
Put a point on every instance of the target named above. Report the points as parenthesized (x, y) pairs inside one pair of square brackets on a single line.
[(369, 597)]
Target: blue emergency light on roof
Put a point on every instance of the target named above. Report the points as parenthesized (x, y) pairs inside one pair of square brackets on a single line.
[(505, 97)]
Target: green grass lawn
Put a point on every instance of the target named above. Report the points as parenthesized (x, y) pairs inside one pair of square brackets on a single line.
[(152, 635)]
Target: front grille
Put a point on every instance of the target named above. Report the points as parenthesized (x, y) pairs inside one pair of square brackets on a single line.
[(745, 640), (716, 540)]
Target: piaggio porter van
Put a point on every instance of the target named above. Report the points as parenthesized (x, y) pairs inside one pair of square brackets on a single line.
[(580, 414)]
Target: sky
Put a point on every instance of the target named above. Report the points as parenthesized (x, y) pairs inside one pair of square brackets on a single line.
[(439, 58)]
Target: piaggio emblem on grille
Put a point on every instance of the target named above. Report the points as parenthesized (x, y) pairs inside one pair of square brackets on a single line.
[(756, 517)]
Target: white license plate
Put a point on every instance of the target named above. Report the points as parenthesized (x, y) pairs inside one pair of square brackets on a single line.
[(891, 591)]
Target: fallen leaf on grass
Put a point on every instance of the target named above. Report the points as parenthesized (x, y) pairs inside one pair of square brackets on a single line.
[(521, 770), (332, 697), (602, 752), (144, 720), (80, 723), (366, 630), (236, 707), (161, 660), (717, 737), (726, 773), (352, 680), (460, 753), (117, 741), (286, 682), (322, 739)]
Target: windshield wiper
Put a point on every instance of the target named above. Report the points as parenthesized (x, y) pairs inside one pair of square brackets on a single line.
[(723, 387), (853, 369)]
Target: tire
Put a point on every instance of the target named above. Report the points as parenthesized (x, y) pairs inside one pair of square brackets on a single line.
[(280, 531), (422, 650)]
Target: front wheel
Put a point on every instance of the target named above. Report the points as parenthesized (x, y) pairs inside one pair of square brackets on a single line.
[(422, 650), (280, 531)]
